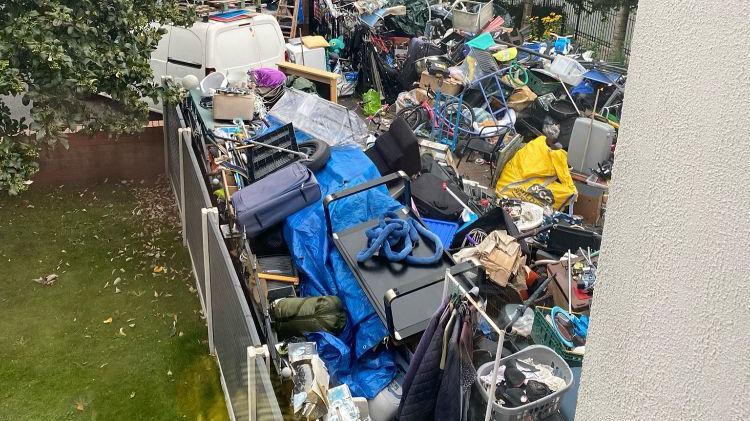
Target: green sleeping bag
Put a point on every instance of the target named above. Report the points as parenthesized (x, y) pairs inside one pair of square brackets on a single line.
[(296, 316)]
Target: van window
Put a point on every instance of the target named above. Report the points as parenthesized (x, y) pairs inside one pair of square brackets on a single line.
[(237, 47)]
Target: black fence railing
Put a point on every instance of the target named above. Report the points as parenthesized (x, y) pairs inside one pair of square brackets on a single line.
[(593, 29)]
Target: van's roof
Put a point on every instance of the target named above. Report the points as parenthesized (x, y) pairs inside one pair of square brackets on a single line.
[(217, 24)]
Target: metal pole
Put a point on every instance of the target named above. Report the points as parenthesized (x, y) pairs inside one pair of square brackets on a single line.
[(180, 133), (251, 398), (205, 216)]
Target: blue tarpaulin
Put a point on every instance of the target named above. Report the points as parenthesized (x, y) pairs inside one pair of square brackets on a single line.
[(351, 356)]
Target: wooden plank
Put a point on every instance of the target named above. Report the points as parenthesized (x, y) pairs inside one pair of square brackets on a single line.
[(313, 74)]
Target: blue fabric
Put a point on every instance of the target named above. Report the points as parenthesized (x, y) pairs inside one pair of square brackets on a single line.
[(324, 272)]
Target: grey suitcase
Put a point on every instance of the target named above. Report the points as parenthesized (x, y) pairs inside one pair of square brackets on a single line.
[(585, 151), (270, 200)]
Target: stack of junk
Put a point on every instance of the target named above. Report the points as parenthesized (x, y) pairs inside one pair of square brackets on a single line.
[(428, 250)]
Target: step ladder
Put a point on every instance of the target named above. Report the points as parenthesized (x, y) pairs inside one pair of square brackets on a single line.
[(287, 15)]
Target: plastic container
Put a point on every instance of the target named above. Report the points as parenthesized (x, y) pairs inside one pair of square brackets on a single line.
[(263, 161), (472, 16), (537, 410), (567, 69), (542, 84), (562, 109), (212, 82), (445, 230), (544, 334)]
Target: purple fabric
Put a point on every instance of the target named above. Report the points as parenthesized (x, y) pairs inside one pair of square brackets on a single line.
[(268, 78)]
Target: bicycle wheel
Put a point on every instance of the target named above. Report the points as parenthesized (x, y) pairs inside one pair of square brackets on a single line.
[(459, 116), (414, 115)]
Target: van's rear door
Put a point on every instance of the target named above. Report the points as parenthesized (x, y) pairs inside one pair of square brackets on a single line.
[(186, 52), (249, 44)]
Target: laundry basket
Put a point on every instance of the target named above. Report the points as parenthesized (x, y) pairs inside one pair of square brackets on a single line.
[(537, 410), (472, 16)]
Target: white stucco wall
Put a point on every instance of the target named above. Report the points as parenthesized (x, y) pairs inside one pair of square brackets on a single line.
[(670, 333)]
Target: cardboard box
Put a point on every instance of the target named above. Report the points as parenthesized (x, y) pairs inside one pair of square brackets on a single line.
[(231, 106), (439, 151), (447, 86)]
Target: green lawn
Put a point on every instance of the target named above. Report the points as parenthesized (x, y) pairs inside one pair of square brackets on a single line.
[(119, 335)]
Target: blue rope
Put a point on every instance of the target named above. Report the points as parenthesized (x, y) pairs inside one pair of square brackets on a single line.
[(392, 230)]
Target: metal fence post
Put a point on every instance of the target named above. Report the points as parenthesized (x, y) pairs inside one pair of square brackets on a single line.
[(182, 182), (252, 399), (205, 216), (165, 129), (251, 395)]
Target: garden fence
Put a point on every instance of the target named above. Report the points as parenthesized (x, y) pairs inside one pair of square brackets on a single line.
[(593, 29), (233, 337)]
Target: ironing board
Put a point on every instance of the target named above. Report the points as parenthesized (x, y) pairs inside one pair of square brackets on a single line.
[(404, 296)]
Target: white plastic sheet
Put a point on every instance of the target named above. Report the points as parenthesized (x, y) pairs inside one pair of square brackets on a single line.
[(320, 118)]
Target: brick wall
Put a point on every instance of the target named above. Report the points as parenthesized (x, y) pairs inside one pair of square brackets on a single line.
[(91, 159)]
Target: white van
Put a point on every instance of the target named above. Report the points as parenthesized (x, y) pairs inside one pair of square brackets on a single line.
[(232, 48)]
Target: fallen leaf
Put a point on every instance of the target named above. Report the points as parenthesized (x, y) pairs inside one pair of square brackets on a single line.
[(106, 285), (117, 290), (46, 280), (122, 332), (158, 269), (132, 395), (156, 294), (80, 406), (117, 281), (108, 321), (169, 373), (132, 325)]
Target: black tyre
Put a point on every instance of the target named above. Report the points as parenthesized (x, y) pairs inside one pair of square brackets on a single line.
[(318, 151)]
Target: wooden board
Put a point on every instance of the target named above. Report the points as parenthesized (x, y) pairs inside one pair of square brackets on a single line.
[(313, 74)]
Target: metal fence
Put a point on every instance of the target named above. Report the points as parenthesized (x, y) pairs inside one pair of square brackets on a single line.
[(232, 334), (593, 29)]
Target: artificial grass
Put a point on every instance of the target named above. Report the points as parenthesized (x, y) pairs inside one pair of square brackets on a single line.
[(118, 254)]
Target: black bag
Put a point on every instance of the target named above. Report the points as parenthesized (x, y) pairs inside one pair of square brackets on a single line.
[(297, 316), (396, 150), (433, 201)]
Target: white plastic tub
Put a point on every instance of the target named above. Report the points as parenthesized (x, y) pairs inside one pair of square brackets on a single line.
[(567, 70)]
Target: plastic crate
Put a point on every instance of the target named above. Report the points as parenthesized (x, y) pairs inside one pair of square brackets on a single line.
[(263, 161), (445, 230), (541, 84), (544, 334), (537, 410)]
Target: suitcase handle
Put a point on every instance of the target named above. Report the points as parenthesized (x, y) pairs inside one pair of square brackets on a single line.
[(405, 193)]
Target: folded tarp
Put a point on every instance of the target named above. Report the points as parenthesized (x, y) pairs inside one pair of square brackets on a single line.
[(349, 356)]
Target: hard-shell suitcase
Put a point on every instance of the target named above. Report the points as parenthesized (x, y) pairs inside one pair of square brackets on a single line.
[(269, 201), (590, 143)]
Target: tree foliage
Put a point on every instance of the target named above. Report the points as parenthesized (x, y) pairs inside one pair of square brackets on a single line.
[(60, 54)]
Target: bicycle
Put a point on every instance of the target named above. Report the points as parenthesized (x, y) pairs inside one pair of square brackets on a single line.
[(453, 112)]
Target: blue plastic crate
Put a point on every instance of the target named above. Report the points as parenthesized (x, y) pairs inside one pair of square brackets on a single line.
[(444, 230)]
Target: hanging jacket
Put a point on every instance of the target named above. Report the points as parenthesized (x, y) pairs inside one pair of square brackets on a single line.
[(419, 398)]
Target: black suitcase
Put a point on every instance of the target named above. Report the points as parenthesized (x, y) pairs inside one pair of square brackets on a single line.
[(433, 201)]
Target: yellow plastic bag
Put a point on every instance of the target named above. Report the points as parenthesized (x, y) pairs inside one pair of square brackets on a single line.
[(538, 175)]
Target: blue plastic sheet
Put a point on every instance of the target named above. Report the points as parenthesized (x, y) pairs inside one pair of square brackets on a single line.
[(350, 357)]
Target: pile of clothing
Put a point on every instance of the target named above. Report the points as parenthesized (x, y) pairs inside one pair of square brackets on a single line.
[(521, 382)]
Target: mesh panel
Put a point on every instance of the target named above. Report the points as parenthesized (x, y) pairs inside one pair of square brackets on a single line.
[(196, 198), (234, 331)]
